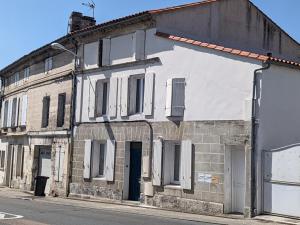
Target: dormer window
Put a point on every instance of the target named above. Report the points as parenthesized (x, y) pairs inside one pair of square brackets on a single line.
[(48, 65)]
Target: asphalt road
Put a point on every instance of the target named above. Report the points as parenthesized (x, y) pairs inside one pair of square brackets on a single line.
[(42, 213)]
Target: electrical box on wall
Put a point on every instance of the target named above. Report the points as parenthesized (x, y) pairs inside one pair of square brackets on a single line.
[(148, 189), (146, 172)]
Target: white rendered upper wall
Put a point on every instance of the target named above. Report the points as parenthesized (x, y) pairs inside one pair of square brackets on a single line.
[(218, 85)]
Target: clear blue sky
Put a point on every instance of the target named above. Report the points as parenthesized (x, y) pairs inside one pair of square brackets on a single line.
[(29, 24)]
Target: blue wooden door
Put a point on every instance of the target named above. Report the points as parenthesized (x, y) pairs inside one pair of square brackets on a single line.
[(135, 171)]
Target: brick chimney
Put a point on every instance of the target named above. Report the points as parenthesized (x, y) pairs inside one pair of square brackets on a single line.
[(77, 21)]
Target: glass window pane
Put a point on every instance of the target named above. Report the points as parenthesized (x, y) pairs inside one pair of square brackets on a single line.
[(104, 100), (101, 160), (177, 163)]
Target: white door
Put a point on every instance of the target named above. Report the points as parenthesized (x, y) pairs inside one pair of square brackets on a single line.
[(45, 165), (282, 181), (238, 181)]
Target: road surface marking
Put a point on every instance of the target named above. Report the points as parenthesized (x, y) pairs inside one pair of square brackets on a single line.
[(9, 216)]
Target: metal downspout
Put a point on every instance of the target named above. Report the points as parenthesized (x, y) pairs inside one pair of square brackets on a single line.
[(253, 138)]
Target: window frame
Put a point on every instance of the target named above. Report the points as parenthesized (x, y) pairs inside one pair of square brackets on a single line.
[(2, 159), (170, 174), (101, 112), (60, 122), (136, 94), (47, 64), (26, 73), (96, 164), (45, 118)]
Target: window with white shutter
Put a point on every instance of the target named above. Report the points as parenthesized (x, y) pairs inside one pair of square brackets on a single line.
[(157, 163), (113, 94), (186, 165), (92, 95), (87, 159), (26, 73), (149, 93), (136, 94), (9, 113), (48, 64), (17, 78), (177, 163), (91, 55), (98, 159), (175, 97), (124, 96), (110, 160), (102, 97), (24, 110)]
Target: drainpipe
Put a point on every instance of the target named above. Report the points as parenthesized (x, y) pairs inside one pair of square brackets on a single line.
[(72, 119), (253, 136)]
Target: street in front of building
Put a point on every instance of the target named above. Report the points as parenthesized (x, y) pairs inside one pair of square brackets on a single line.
[(42, 213)]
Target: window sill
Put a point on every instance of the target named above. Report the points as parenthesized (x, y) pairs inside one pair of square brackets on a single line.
[(99, 178), (173, 186)]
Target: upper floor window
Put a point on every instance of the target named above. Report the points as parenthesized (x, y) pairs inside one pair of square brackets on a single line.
[(16, 78), (48, 64), (45, 112), (101, 97), (136, 94), (26, 73), (61, 109)]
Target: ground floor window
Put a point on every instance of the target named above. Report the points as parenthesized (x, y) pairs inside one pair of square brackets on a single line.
[(172, 163), (2, 159), (19, 154), (98, 162)]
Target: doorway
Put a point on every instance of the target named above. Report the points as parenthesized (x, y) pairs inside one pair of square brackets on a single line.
[(45, 165), (238, 180), (135, 171)]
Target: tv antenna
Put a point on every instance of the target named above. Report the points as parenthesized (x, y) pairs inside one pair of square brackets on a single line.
[(91, 5)]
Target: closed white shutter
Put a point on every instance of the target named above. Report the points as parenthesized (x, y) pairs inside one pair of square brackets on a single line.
[(24, 110), (113, 93), (149, 91), (110, 160), (139, 45), (124, 96), (91, 108), (169, 98), (106, 52), (186, 165), (17, 78), (87, 159), (91, 55), (17, 112), (175, 97), (9, 113), (157, 162)]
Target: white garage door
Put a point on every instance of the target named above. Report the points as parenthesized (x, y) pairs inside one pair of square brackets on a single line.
[(282, 181)]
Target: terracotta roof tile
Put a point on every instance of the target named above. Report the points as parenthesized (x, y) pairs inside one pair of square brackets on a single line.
[(239, 52)]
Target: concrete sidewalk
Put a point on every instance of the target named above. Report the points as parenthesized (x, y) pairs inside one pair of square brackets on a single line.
[(145, 210)]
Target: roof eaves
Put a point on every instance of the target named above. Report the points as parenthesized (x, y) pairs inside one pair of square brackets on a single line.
[(155, 11), (237, 52)]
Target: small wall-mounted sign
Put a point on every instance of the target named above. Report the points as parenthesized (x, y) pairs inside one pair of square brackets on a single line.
[(206, 178)]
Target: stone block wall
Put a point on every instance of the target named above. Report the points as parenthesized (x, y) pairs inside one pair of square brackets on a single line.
[(210, 140)]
